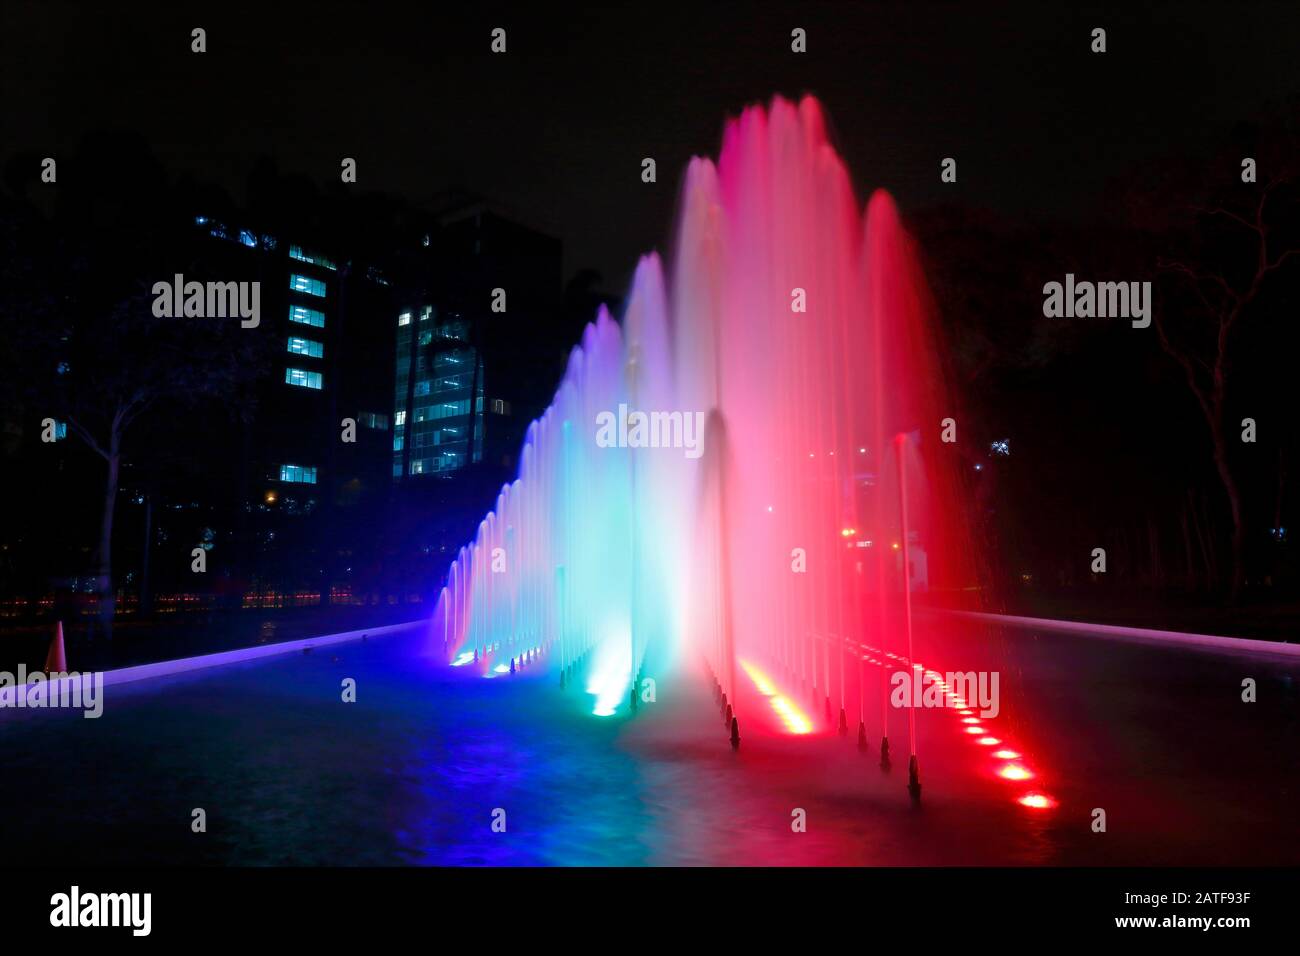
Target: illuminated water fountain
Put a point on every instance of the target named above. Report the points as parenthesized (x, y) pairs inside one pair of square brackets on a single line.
[(794, 332)]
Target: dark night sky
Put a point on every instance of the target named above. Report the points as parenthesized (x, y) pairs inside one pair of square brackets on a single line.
[(557, 127)]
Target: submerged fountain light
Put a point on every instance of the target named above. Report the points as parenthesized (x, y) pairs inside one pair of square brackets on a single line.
[(1015, 772), (794, 719), (1037, 801), (610, 677)]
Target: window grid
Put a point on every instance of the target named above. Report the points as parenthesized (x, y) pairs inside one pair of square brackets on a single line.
[(303, 378), (308, 347), (298, 474), (305, 316), (311, 258), (302, 283)]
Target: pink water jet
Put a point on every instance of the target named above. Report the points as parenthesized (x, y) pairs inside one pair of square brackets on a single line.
[(797, 326)]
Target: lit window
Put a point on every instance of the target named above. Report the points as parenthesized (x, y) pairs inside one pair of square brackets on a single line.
[(500, 406), (400, 418), (399, 441), (314, 258), (247, 238), (302, 283), (404, 318), (375, 420), (300, 474), (302, 378), (455, 331), (306, 347), (305, 316)]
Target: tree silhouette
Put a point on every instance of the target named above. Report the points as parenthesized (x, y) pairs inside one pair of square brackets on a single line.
[(78, 326), (1243, 240)]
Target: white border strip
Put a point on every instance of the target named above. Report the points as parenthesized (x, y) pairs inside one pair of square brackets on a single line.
[(1232, 645), (182, 665)]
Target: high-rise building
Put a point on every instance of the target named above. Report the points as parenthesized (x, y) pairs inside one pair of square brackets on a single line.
[(477, 351), (438, 398), (311, 457), (388, 408)]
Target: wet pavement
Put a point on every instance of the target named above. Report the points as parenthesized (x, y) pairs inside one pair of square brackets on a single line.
[(419, 767)]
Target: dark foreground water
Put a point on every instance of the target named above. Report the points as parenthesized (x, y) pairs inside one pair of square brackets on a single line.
[(413, 772)]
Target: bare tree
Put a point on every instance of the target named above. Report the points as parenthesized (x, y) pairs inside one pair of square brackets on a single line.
[(102, 364), (1225, 283)]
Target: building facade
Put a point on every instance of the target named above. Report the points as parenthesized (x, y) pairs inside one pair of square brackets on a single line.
[(309, 469), (438, 398)]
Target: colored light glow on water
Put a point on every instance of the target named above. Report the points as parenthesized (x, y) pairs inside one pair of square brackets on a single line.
[(1037, 801), (1015, 772), (610, 677), (463, 659), (765, 686), (795, 720), (609, 691)]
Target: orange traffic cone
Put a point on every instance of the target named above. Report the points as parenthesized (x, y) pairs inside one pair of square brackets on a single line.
[(56, 662)]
